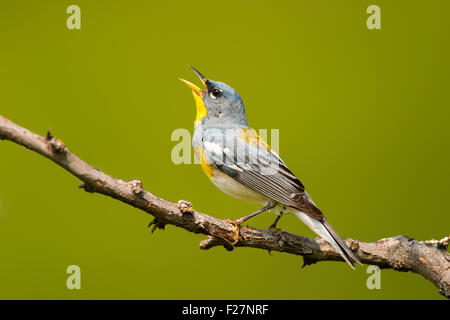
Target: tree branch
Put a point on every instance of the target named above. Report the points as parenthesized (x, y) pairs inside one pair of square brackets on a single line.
[(428, 258)]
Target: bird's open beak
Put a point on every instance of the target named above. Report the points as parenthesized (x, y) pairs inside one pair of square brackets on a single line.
[(202, 77), (198, 96), (196, 90)]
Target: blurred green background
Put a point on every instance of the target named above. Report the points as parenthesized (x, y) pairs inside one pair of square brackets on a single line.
[(363, 118)]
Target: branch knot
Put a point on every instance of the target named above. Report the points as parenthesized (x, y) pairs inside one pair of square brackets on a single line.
[(185, 206), (56, 145), (136, 186)]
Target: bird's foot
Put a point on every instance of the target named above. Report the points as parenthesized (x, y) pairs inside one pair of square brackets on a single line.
[(275, 229), (237, 224)]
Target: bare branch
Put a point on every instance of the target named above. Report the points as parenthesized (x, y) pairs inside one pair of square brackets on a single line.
[(428, 258)]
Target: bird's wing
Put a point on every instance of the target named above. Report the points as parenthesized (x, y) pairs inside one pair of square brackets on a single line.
[(245, 157)]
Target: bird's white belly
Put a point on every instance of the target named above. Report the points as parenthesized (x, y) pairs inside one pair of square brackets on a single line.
[(236, 189)]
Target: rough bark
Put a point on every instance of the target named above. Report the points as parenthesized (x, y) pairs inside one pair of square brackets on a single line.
[(428, 258)]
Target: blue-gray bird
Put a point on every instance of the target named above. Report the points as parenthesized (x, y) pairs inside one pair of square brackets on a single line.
[(242, 165)]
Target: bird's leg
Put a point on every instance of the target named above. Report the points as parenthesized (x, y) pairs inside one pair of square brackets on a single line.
[(237, 223), (273, 226)]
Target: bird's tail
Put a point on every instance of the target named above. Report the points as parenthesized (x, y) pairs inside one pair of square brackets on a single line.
[(323, 229)]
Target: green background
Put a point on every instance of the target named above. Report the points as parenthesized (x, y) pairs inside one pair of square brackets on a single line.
[(363, 118)]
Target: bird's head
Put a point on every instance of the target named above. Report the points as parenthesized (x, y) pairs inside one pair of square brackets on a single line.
[(218, 104)]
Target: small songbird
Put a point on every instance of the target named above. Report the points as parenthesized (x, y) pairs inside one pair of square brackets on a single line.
[(242, 165)]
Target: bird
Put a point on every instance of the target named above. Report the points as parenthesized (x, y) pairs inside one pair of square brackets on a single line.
[(241, 164)]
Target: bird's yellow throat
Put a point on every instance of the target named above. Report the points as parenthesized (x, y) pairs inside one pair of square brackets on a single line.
[(201, 109), (199, 104)]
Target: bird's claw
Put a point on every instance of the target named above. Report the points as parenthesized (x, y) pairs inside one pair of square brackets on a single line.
[(237, 225), (275, 229)]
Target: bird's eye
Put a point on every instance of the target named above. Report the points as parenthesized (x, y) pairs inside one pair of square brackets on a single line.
[(216, 92)]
